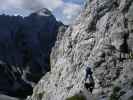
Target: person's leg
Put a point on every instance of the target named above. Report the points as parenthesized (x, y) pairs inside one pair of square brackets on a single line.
[(86, 76), (91, 89)]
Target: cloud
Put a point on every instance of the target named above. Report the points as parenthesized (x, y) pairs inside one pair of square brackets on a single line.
[(30, 4), (68, 9), (38, 4), (6, 4)]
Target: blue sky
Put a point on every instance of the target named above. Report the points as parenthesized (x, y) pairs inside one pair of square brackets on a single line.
[(64, 10)]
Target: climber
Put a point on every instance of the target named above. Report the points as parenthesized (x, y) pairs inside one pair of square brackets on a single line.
[(88, 72), (89, 84)]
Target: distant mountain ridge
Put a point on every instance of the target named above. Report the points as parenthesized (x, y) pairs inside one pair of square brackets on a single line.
[(25, 45)]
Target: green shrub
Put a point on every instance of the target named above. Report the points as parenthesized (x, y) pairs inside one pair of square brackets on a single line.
[(114, 97), (116, 89), (131, 83), (40, 95), (131, 55), (115, 94), (77, 97), (122, 93), (130, 98)]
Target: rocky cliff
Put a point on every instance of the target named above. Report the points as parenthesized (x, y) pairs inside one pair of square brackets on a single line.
[(102, 39), (25, 45)]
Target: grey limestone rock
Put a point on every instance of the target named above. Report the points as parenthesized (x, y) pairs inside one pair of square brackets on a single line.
[(101, 37)]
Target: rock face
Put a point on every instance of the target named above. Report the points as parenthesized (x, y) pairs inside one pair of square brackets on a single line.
[(11, 82), (101, 38), (4, 97), (25, 45)]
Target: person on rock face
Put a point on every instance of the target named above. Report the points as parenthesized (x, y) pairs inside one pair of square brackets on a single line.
[(88, 73), (89, 84)]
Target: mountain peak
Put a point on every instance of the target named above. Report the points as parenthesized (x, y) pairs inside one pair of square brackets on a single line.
[(43, 12)]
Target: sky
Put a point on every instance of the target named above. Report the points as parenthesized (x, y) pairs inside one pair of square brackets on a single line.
[(64, 10)]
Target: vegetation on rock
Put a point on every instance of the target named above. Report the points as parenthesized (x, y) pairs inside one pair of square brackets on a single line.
[(77, 97)]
